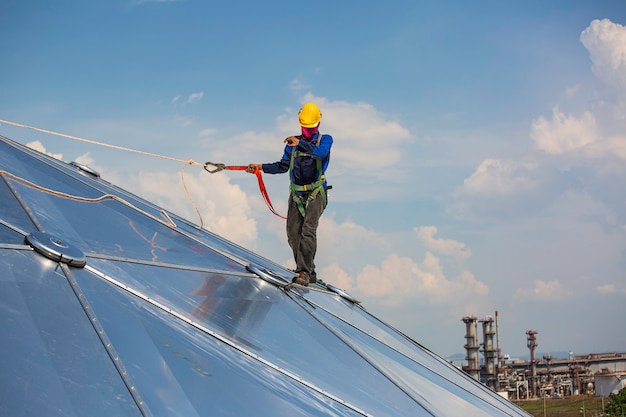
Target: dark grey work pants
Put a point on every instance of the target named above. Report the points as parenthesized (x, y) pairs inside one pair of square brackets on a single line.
[(302, 233)]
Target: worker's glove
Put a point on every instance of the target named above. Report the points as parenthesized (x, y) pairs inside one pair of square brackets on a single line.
[(251, 168), (292, 141)]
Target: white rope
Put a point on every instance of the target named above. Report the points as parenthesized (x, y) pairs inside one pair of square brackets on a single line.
[(103, 197), (121, 148)]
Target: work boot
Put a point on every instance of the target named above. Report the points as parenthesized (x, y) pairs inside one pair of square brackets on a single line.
[(312, 278), (302, 279)]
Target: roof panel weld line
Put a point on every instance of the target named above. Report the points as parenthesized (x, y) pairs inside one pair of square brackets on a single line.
[(426, 351), (167, 265), (225, 340), (421, 401), (106, 342)]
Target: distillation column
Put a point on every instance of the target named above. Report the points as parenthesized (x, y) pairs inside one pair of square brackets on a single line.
[(489, 352), (471, 346), (531, 342)]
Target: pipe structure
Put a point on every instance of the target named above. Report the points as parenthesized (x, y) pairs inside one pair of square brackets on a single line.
[(500, 364), (471, 346), (531, 342), (489, 353)]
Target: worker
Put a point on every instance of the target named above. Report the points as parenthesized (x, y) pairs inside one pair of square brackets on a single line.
[(306, 157)]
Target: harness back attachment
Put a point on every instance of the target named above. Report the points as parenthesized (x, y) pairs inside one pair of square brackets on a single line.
[(316, 187)]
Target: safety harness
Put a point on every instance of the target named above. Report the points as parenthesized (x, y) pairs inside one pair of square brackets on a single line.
[(316, 187)]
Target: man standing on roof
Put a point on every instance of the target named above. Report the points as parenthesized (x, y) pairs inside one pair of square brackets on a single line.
[(306, 157)]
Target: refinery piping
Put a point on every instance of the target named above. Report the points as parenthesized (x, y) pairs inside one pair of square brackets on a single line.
[(592, 374)]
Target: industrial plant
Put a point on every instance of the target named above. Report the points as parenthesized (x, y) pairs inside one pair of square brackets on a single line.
[(598, 374)]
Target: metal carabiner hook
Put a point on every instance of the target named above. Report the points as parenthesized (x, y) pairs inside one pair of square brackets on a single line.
[(218, 167)]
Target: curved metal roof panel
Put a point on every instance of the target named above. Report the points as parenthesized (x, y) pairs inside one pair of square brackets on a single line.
[(109, 306)]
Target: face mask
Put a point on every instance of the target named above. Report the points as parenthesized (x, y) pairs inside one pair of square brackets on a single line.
[(309, 132)]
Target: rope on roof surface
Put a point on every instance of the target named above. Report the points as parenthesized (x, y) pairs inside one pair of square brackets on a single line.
[(103, 197), (182, 172)]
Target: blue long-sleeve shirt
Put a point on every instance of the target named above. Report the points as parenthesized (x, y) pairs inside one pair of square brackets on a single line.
[(304, 167)]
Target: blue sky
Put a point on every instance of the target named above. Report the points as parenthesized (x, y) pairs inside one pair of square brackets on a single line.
[(479, 161)]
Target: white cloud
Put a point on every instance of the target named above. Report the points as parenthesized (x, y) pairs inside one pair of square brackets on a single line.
[(192, 98), (224, 207), (348, 240), (400, 280), (563, 133), (298, 86), (606, 43), (208, 132), (426, 234), (39, 147), (195, 97), (606, 289), (367, 150), (364, 263), (86, 159), (368, 140), (340, 277), (569, 151), (502, 176), (610, 289), (572, 91), (613, 146), (543, 291)]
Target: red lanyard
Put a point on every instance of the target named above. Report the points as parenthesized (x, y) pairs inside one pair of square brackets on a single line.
[(259, 176)]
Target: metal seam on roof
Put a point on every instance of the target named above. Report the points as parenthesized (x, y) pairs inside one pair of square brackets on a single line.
[(223, 339), (12, 227), (15, 246), (106, 342), (166, 265), (318, 306), (421, 401), (20, 200)]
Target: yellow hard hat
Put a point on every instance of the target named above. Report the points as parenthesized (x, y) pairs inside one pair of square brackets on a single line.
[(309, 115)]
